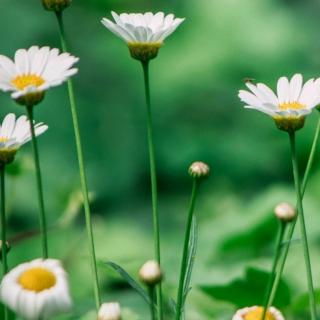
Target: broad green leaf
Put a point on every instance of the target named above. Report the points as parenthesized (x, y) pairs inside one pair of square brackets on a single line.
[(249, 290)]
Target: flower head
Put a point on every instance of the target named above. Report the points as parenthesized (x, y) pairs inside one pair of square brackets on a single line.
[(199, 170), (36, 290), (14, 133), (110, 311), (285, 212), (291, 104), (144, 33), (34, 71), (150, 273), (56, 5), (255, 313)]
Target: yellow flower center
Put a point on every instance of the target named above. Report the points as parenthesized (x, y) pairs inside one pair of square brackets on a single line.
[(291, 106), (256, 314), (21, 82), (37, 279)]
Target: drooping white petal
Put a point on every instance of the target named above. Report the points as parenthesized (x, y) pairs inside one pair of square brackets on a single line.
[(118, 30), (144, 28)]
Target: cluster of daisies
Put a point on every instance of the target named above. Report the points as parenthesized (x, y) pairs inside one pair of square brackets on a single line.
[(39, 289)]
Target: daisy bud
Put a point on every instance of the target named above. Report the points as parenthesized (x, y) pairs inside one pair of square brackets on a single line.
[(199, 170), (256, 313), (56, 5), (150, 273), (285, 212), (8, 247), (110, 311)]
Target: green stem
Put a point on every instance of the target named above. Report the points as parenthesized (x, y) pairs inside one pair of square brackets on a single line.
[(42, 213), (282, 228), (185, 254), (3, 230), (304, 237), (155, 215), (152, 303), (82, 173), (293, 224)]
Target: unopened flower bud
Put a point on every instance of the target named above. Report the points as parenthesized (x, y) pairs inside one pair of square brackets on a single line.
[(109, 311), (199, 170), (150, 273), (285, 212), (56, 5), (7, 247)]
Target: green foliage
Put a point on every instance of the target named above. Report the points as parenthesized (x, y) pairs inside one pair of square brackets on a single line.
[(197, 115), (133, 283), (249, 291)]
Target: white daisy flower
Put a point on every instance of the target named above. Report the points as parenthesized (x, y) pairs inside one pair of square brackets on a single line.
[(34, 71), (110, 311), (289, 106), (14, 133), (37, 289), (144, 33), (255, 313)]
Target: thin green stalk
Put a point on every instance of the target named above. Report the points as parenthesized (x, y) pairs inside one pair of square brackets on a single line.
[(3, 231), (152, 302), (282, 228), (185, 254), (42, 213), (153, 176), (304, 237), (293, 224), (82, 173)]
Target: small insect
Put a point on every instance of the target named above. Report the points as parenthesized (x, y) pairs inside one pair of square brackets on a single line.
[(247, 79)]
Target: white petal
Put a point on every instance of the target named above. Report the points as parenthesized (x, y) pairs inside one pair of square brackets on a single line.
[(283, 90), (249, 99), (21, 61), (8, 125), (295, 87), (272, 98)]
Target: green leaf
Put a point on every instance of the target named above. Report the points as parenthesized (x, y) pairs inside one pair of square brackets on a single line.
[(249, 291), (132, 282), (191, 257), (301, 304)]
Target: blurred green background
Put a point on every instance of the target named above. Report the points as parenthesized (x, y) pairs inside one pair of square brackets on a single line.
[(197, 116)]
